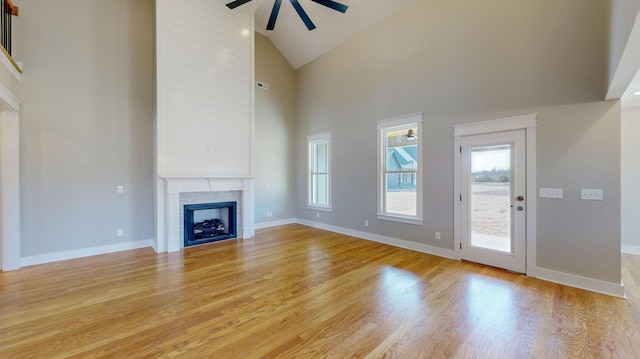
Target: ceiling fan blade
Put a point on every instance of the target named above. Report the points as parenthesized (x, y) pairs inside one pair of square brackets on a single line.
[(235, 4), (303, 15), (332, 4), (274, 15)]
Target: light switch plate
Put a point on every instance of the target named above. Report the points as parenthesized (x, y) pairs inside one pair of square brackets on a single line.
[(591, 194), (551, 193)]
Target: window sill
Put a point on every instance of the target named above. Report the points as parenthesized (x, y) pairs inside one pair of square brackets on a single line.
[(319, 208), (401, 219)]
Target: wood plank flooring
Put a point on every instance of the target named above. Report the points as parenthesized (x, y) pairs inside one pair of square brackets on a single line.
[(299, 292)]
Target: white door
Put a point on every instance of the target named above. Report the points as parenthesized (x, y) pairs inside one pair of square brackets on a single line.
[(493, 206)]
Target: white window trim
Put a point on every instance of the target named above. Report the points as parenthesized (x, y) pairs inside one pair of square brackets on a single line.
[(312, 139), (388, 124)]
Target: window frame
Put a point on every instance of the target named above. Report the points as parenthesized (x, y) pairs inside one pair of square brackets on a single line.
[(312, 141), (384, 126)]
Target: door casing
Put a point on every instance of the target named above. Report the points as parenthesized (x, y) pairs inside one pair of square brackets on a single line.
[(527, 123)]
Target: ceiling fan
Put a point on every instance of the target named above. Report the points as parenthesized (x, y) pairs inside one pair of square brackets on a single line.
[(296, 5)]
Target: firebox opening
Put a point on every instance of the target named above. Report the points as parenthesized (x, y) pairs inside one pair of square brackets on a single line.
[(209, 222)]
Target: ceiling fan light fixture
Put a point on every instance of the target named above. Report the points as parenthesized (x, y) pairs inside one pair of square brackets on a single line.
[(333, 5), (296, 5), (274, 15), (234, 4)]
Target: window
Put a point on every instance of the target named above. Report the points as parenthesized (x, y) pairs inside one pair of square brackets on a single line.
[(319, 171), (399, 169)]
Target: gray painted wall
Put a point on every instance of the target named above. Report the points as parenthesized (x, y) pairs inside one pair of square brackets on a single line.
[(630, 177), (275, 131), (579, 147), (461, 62), (87, 122)]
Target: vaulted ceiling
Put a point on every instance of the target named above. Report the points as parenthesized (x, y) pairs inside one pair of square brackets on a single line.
[(299, 45)]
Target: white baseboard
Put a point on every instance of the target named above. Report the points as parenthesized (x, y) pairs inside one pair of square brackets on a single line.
[(630, 249), (85, 252), (154, 245), (418, 247), (281, 222), (590, 284)]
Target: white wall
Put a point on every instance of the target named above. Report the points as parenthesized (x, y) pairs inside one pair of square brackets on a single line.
[(631, 180), (10, 243), (204, 82)]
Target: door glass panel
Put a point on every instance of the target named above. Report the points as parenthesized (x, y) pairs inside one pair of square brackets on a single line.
[(491, 197)]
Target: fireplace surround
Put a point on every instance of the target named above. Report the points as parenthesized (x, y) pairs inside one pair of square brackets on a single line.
[(175, 192)]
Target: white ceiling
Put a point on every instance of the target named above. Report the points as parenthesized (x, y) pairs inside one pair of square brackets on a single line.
[(299, 45)]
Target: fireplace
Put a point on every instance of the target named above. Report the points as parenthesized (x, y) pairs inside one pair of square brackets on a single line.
[(209, 222), (177, 192)]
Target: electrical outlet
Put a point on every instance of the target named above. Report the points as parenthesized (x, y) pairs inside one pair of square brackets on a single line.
[(120, 189), (438, 235), (120, 232), (317, 214), (366, 223)]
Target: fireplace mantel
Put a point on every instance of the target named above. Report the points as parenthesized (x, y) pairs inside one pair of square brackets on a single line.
[(170, 240), (177, 184)]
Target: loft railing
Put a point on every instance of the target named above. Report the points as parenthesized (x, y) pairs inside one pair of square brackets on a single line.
[(7, 11)]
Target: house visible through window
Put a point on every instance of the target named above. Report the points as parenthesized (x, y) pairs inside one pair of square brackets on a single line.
[(399, 189), (319, 196)]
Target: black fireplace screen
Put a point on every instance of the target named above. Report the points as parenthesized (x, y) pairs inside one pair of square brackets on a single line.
[(209, 222)]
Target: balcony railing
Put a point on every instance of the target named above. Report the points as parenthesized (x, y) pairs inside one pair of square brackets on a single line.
[(7, 11)]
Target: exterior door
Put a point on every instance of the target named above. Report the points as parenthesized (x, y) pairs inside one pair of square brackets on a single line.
[(493, 204)]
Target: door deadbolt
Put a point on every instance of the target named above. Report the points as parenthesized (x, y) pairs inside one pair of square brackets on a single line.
[(520, 198)]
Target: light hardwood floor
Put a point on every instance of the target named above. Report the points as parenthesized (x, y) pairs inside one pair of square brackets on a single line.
[(299, 292)]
